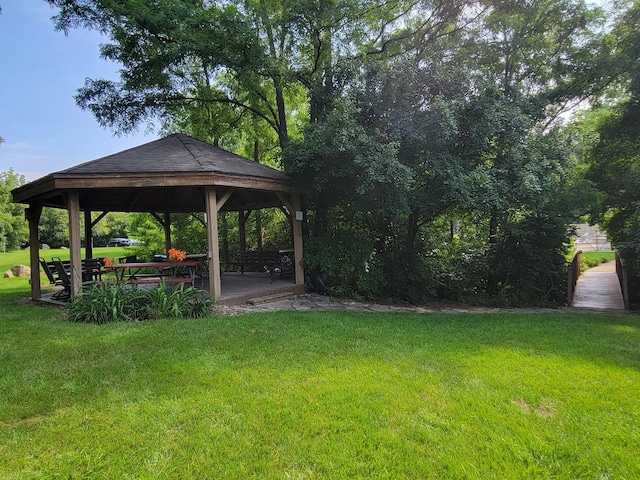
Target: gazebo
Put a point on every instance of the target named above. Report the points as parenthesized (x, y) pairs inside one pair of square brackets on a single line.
[(174, 174)]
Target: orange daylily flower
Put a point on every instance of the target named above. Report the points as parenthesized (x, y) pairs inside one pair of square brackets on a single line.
[(176, 255)]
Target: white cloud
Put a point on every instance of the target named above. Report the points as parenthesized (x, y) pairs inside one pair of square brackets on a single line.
[(18, 145)]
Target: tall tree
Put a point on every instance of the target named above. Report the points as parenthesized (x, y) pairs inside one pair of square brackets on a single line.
[(527, 64), (614, 162), (14, 230), (245, 55)]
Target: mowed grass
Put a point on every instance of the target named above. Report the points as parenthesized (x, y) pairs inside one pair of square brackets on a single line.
[(592, 259), (7, 260), (318, 395)]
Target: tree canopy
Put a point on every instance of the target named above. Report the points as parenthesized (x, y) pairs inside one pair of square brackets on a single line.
[(433, 132), (614, 158)]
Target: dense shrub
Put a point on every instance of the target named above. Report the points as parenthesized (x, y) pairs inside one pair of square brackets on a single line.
[(343, 256), (122, 303), (180, 302), (408, 275), (530, 261)]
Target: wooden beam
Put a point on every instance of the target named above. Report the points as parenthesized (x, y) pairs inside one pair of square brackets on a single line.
[(73, 204), (64, 182), (202, 222), (215, 290), (100, 217), (286, 202), (33, 214), (224, 199), (158, 218)]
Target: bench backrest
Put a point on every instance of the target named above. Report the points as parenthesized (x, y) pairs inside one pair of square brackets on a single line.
[(50, 271), (258, 256), (62, 273), (128, 259)]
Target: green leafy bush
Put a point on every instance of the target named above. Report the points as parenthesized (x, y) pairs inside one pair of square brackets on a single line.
[(529, 261), (107, 303), (180, 302), (125, 303), (343, 256)]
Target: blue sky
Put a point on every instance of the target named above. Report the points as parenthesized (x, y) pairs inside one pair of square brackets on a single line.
[(40, 72)]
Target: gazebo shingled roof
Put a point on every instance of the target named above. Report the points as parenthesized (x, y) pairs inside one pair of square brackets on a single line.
[(173, 174), (168, 174)]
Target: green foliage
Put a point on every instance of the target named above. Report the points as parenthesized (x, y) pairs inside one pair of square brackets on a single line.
[(53, 228), (421, 114), (458, 251), (343, 257), (408, 275), (146, 228), (188, 232), (593, 259), (124, 303), (108, 303), (614, 163), (348, 165), (113, 225), (529, 261), (179, 302), (14, 229)]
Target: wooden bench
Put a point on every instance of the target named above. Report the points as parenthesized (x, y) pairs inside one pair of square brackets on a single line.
[(54, 279), (57, 272), (91, 267), (256, 260), (63, 275)]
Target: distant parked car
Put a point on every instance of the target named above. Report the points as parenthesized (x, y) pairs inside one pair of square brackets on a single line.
[(119, 242)]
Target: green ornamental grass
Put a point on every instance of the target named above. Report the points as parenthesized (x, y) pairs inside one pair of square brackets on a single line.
[(107, 302)]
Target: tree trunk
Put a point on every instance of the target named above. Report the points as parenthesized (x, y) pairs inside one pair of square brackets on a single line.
[(283, 130), (258, 214), (493, 277), (413, 228)]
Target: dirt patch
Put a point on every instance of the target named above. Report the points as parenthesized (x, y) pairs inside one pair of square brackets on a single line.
[(542, 411)]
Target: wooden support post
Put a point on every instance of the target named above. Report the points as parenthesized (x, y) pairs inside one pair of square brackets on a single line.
[(242, 229), (297, 239), (167, 231), (33, 214), (215, 290), (73, 204), (88, 235)]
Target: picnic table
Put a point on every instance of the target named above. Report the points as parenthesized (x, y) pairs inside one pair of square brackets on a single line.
[(156, 272)]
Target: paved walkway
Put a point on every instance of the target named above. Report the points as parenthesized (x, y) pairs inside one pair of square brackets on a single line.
[(598, 288), (310, 302)]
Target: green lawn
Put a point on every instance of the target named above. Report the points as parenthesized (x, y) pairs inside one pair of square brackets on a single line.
[(318, 395), (8, 260), (591, 259)]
